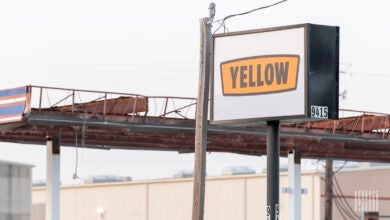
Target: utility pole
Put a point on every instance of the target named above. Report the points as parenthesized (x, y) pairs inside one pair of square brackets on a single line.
[(201, 116), (328, 189)]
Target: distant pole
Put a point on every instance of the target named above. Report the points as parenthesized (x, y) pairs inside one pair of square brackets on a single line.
[(273, 151), (201, 117), (328, 189)]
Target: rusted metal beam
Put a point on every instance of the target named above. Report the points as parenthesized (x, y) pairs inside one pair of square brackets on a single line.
[(115, 123), (363, 123), (118, 106)]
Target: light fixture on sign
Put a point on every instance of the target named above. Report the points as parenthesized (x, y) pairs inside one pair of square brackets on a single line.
[(100, 211)]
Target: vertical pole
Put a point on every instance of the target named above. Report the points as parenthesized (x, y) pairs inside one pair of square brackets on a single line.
[(53, 178), (328, 189), (73, 94), (273, 151), (40, 99), (201, 119), (105, 106), (294, 180), (166, 106), (201, 126)]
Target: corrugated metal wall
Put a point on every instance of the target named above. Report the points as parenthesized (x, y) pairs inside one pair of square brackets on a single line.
[(15, 191), (227, 198)]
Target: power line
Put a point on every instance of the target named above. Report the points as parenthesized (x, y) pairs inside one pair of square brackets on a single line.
[(367, 74), (348, 208), (340, 209), (340, 168), (76, 71), (222, 21), (343, 211), (75, 176), (342, 204), (367, 63), (99, 64)]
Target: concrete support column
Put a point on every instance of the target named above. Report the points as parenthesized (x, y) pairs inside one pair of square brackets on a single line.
[(53, 178), (295, 189)]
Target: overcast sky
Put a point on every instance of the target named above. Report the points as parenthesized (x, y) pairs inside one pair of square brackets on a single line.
[(152, 48)]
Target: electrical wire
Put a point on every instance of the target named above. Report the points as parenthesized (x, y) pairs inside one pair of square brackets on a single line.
[(348, 209), (342, 204), (318, 161), (222, 21), (75, 176), (367, 74), (343, 209), (340, 209), (340, 168), (344, 200)]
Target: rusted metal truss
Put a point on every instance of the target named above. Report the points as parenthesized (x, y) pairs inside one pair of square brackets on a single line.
[(117, 106), (363, 124), (101, 104), (94, 119)]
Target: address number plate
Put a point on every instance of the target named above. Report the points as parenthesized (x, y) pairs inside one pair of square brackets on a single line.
[(319, 112)]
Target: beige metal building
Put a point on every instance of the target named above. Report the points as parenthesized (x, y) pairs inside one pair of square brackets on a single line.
[(227, 197), (15, 191)]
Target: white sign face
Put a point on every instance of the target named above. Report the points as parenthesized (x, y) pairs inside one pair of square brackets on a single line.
[(259, 76)]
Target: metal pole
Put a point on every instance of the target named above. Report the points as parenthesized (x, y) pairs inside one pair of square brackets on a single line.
[(295, 190), (53, 178), (201, 118), (273, 151)]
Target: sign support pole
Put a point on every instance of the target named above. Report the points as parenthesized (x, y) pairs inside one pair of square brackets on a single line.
[(294, 180), (201, 117), (273, 151), (53, 178)]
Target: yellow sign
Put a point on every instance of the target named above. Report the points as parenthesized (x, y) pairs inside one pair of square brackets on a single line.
[(259, 75)]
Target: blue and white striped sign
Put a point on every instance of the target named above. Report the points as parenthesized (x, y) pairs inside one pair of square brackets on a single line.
[(13, 104)]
